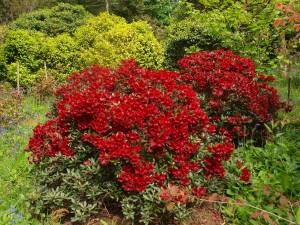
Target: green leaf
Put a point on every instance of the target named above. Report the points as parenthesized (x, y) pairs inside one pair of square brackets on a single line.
[(103, 222), (268, 128), (298, 215), (230, 192)]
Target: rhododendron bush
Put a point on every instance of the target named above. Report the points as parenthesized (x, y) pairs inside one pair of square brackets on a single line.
[(236, 99), (128, 131)]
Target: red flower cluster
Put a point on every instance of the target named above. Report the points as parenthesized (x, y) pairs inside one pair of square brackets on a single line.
[(146, 124), (199, 192), (220, 153), (49, 140), (245, 176), (231, 89)]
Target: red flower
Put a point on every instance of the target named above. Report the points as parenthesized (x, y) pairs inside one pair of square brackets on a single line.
[(279, 6), (87, 162), (239, 163), (245, 175), (199, 192)]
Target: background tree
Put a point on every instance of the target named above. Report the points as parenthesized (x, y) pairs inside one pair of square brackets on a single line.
[(11, 9), (289, 26), (246, 27)]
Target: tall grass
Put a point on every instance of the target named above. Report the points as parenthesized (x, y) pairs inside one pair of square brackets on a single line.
[(15, 178)]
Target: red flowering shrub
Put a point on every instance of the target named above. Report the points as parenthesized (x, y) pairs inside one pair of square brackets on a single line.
[(142, 127), (236, 98), (129, 133)]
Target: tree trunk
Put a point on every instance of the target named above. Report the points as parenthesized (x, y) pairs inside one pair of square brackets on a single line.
[(107, 6)]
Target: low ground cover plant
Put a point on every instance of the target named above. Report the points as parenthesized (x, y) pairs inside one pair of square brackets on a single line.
[(146, 142), (272, 196)]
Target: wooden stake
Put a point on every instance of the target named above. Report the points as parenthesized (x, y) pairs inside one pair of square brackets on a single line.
[(18, 78), (45, 70), (289, 90)]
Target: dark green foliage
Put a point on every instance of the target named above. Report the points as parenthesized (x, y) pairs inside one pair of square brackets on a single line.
[(154, 11), (157, 11), (247, 29), (76, 189), (56, 20)]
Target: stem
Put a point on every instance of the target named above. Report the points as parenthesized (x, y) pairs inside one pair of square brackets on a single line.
[(289, 90)]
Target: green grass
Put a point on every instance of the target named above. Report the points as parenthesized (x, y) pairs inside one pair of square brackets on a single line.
[(15, 179)]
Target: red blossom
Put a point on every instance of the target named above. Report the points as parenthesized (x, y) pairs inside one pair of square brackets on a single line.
[(279, 6), (245, 175), (199, 192), (233, 94)]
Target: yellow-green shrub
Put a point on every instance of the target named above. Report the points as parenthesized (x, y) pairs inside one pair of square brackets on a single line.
[(108, 39), (61, 55)]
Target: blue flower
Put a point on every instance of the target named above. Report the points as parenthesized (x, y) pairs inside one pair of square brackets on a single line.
[(2, 131), (19, 215), (12, 209)]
